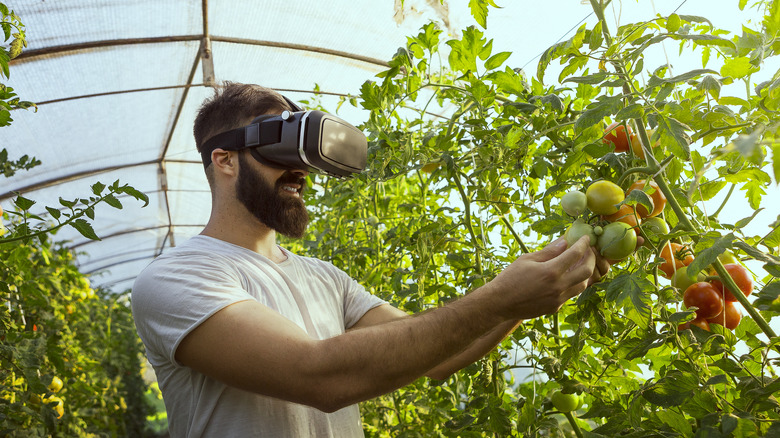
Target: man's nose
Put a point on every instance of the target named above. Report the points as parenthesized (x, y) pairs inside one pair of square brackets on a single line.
[(301, 173)]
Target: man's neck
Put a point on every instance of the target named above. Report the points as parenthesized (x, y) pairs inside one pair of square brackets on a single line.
[(247, 233)]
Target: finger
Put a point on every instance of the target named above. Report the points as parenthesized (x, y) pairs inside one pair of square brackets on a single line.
[(549, 252), (571, 257)]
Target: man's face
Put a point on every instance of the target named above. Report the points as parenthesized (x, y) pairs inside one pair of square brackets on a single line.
[(273, 203)]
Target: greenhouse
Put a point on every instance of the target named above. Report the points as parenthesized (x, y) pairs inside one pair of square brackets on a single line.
[(565, 221)]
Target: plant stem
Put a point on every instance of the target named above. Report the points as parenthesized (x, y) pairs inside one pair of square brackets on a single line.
[(573, 422)]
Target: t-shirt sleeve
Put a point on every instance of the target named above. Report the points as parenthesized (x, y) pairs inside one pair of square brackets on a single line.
[(170, 299), (357, 300)]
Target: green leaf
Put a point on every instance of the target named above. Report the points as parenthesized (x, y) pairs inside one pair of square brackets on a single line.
[(112, 201), (675, 420), (479, 10), (23, 203), (596, 37), (673, 135), (737, 67), (703, 40), (593, 79), (129, 190), (84, 227), (497, 60), (97, 188), (632, 111), (711, 85), (632, 287), (672, 390), (713, 246), (54, 212)]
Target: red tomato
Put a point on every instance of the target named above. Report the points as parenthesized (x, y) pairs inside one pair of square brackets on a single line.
[(625, 214), (616, 136), (659, 200), (698, 322), (705, 298), (729, 317), (675, 257), (741, 276)]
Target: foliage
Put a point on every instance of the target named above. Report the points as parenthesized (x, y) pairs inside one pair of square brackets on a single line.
[(70, 360), (467, 163)]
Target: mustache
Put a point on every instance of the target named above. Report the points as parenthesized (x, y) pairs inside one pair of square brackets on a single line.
[(291, 178)]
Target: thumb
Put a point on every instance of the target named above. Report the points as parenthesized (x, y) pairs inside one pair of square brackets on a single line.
[(550, 251)]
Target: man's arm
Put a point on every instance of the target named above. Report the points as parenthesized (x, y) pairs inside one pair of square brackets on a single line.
[(250, 346), (475, 351)]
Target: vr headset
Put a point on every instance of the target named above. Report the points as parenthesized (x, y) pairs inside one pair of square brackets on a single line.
[(298, 139)]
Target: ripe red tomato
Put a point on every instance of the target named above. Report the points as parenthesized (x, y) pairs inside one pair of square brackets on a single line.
[(705, 298), (616, 136), (698, 322), (625, 214), (659, 200), (741, 276), (675, 257), (729, 317)]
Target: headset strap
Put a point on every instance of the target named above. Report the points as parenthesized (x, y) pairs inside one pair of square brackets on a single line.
[(242, 138)]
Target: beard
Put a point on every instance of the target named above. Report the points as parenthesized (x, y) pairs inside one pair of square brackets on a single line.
[(285, 214)]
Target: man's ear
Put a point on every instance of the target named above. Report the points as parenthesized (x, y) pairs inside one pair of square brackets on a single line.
[(224, 162)]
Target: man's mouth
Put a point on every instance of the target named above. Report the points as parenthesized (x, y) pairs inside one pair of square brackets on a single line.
[(291, 188)]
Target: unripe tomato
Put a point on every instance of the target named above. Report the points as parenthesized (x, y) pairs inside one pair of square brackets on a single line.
[(729, 317), (578, 229), (566, 402), (653, 228), (705, 298), (603, 197), (682, 280), (659, 200), (728, 257), (675, 257), (636, 145), (673, 23), (626, 214), (616, 136), (617, 242), (430, 167), (574, 203), (741, 276)]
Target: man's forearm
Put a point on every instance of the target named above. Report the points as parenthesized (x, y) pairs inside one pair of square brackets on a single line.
[(477, 350), (365, 363)]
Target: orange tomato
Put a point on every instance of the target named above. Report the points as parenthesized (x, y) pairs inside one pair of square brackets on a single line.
[(729, 317), (659, 200), (626, 214), (675, 257), (616, 136)]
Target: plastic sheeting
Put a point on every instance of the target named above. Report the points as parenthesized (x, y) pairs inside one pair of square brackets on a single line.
[(118, 84)]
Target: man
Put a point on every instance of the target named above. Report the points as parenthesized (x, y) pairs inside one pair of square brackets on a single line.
[(248, 339)]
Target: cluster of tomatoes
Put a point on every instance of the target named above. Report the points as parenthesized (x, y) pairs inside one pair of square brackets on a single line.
[(714, 303), (614, 225)]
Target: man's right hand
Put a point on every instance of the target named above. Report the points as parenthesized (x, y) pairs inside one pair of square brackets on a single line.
[(539, 283)]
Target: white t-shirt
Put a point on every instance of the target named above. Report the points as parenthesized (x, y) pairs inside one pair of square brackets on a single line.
[(185, 286)]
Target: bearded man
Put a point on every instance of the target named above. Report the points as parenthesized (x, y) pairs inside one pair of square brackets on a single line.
[(248, 339)]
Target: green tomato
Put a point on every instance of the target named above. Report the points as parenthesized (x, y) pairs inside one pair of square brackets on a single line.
[(603, 197), (578, 229), (618, 241), (728, 258), (681, 280), (653, 228), (673, 23), (574, 203), (566, 402)]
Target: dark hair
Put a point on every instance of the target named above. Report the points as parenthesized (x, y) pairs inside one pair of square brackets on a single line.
[(234, 105)]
